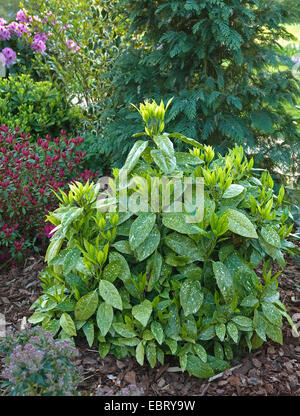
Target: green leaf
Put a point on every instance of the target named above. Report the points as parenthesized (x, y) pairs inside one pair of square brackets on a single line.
[(233, 191), (53, 249), (155, 265), (112, 270), (164, 144), (242, 321), (256, 342), (172, 344), (177, 221), (233, 331), (239, 224), (177, 261), (75, 282), (71, 259), (130, 342), (196, 367), (259, 323), (140, 229), (140, 353), (147, 335), (149, 245), (124, 273), (220, 331), (228, 351), (201, 352), (37, 317), (249, 301), (134, 155), (142, 312), (67, 324), (104, 348), (183, 158), (86, 306), (157, 331), (104, 317), (183, 362), (272, 313), (110, 294), (70, 216), (224, 281), (123, 246), (53, 326), (207, 334), (218, 351), (187, 140), (165, 163), (124, 330), (270, 235), (184, 246), (191, 296), (151, 354), (274, 333), (272, 251), (89, 333)]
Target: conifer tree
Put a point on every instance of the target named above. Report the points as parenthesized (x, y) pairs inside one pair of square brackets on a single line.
[(219, 59)]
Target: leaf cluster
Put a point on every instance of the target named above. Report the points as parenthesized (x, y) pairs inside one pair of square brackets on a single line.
[(152, 283)]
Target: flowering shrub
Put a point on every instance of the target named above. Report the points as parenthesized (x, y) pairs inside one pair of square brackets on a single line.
[(37, 108), (28, 174), (37, 365), (27, 35)]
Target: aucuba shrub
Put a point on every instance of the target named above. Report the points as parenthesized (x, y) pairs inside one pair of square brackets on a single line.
[(151, 284), (28, 175), (38, 108), (38, 365)]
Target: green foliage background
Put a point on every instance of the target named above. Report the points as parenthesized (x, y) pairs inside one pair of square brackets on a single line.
[(8, 8), (217, 59), (38, 108)]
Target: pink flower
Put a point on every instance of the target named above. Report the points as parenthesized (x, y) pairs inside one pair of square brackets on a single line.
[(23, 28), (72, 45), (41, 36), (38, 46), (2, 22), (22, 16), (14, 27), (10, 56), (48, 229), (4, 33)]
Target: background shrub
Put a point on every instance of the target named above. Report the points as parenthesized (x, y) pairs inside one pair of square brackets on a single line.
[(28, 175), (38, 365), (150, 284), (218, 61), (38, 108)]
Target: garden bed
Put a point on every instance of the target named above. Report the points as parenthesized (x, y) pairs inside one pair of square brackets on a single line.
[(270, 371)]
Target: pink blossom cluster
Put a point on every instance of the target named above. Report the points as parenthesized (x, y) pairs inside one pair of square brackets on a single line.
[(10, 56), (72, 45), (28, 174), (24, 27)]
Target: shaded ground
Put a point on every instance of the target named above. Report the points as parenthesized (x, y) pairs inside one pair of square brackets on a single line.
[(272, 370)]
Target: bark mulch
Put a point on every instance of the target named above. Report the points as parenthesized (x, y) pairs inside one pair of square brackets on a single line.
[(272, 370)]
